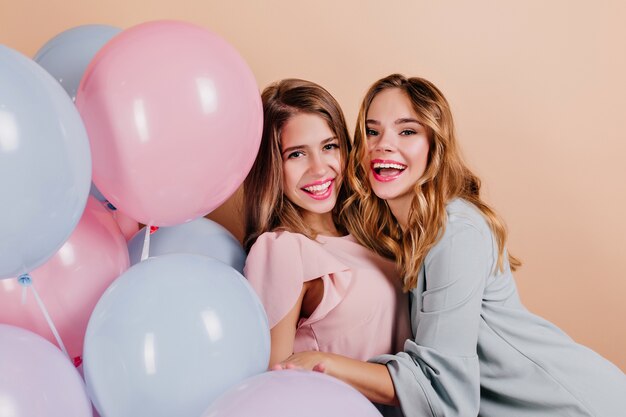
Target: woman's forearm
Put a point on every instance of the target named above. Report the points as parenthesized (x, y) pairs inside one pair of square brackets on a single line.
[(371, 379)]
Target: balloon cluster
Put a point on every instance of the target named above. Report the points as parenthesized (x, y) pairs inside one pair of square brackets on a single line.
[(105, 129)]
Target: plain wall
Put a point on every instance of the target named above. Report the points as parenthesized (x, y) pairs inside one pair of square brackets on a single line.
[(538, 89)]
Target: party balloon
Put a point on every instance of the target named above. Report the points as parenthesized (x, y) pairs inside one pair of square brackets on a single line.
[(67, 55), (45, 165), (71, 282), (291, 393), (174, 118), (201, 236), (36, 379), (170, 335)]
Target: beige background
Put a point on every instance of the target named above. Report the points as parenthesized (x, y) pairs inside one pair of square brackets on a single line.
[(538, 89)]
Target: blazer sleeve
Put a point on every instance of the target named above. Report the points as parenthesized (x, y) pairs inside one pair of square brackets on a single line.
[(437, 374)]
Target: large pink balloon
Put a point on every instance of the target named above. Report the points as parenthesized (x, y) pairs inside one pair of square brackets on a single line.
[(174, 118), (71, 282), (36, 379)]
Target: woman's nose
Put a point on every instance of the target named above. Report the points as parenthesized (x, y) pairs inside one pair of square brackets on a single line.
[(318, 165), (384, 143)]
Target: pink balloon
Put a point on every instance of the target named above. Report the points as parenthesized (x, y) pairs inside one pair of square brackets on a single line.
[(174, 118), (36, 379), (71, 282)]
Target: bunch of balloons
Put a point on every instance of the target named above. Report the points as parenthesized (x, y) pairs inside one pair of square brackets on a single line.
[(104, 130), (156, 108)]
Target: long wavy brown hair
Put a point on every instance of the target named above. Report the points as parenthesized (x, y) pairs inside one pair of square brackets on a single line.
[(446, 177), (265, 206)]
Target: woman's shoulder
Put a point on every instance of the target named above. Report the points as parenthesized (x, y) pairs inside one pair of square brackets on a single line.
[(271, 248), (465, 226), (463, 214), (466, 240), (279, 239), (295, 251)]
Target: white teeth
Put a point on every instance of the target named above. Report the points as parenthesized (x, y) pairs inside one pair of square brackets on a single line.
[(380, 165), (319, 187)]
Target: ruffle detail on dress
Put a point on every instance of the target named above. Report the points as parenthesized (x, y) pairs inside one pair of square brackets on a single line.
[(280, 262)]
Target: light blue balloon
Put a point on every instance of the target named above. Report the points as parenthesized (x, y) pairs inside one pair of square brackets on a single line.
[(67, 55), (170, 335), (201, 236), (45, 165)]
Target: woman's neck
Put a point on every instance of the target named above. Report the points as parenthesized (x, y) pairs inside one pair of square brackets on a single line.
[(322, 224), (400, 208)]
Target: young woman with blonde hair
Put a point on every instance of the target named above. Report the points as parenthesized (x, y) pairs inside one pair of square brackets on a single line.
[(321, 289), (475, 349)]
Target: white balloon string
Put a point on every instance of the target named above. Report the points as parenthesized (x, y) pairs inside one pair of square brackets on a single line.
[(24, 292), (20, 279), (146, 244), (26, 281)]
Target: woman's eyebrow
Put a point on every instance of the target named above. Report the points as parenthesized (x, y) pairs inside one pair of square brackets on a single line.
[(398, 122), (328, 140), (407, 120)]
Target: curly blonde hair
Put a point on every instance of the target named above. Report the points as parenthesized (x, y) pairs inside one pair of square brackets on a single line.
[(446, 177)]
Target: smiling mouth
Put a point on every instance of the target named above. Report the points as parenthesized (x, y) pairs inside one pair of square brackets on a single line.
[(320, 190), (387, 171)]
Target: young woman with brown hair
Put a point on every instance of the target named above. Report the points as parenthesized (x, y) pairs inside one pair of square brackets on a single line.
[(321, 289)]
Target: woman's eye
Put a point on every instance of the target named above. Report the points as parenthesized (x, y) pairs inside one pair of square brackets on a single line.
[(370, 132), (331, 146), (407, 132), (295, 154)]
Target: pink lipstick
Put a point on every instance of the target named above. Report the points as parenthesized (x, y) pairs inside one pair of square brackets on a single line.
[(319, 190)]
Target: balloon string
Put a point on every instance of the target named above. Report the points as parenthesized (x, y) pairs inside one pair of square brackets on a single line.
[(24, 292), (27, 282), (146, 244)]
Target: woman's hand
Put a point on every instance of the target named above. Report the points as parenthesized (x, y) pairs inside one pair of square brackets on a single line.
[(312, 361), (371, 379)]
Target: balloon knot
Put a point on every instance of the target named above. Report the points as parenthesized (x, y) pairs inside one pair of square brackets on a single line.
[(25, 280), (78, 361), (153, 229)]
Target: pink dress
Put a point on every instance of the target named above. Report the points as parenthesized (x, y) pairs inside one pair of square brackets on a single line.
[(363, 312)]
